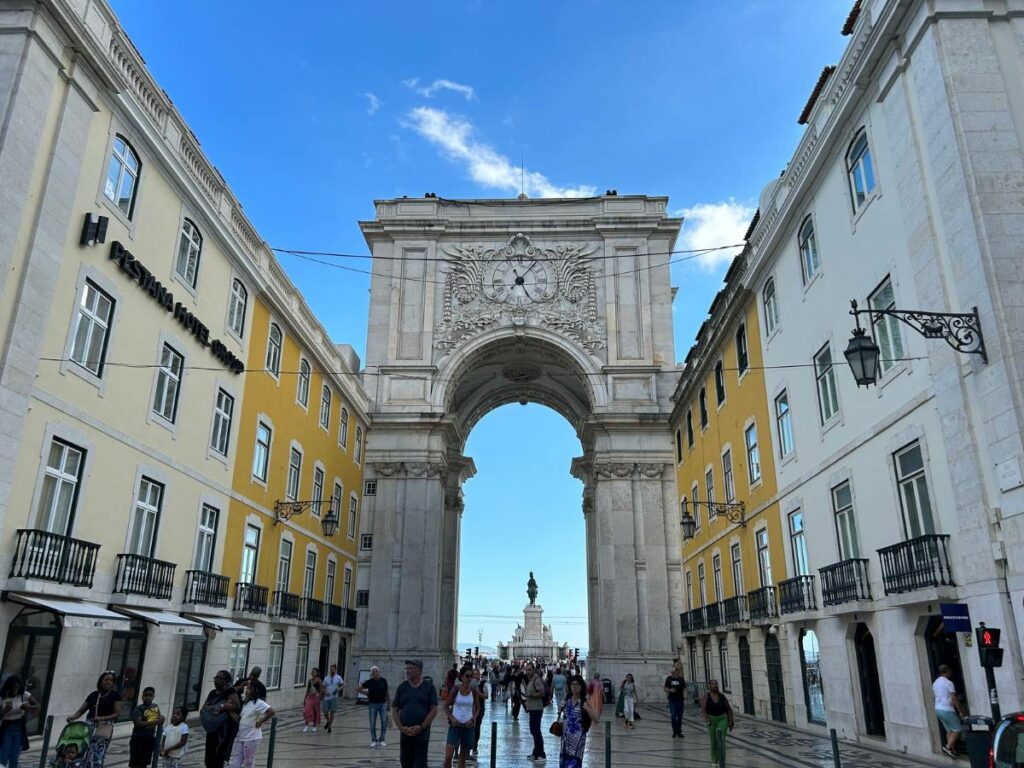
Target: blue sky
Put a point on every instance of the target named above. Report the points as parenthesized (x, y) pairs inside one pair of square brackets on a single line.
[(311, 110)]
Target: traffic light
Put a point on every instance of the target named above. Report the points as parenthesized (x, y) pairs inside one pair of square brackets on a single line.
[(576, 653), (990, 653), (476, 651)]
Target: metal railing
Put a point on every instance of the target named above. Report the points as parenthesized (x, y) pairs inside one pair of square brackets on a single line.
[(286, 605), (845, 582), (713, 615), (311, 610), (916, 564), (697, 621), (734, 609), (350, 618), (204, 588), (797, 594), (335, 615), (250, 598), (52, 557), (141, 575), (761, 604)]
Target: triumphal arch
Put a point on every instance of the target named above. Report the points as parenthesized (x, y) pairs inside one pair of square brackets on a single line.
[(479, 303)]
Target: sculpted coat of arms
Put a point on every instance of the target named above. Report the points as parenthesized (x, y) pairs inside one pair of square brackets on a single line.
[(519, 284)]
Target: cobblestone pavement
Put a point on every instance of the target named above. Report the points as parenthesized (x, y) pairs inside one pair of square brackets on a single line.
[(753, 744)]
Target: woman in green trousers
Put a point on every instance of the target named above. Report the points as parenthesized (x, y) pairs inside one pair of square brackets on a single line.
[(718, 717)]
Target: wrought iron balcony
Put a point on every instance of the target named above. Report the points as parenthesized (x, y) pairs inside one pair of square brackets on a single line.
[(286, 605), (52, 557), (335, 615), (141, 575), (734, 609), (797, 594), (845, 582), (697, 619), (713, 615), (204, 588), (350, 618), (250, 598), (311, 610), (916, 564), (761, 604)]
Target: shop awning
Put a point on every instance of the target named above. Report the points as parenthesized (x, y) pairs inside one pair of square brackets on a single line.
[(233, 628), (164, 622), (74, 613)]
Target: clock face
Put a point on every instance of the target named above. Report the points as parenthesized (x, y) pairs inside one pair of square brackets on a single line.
[(521, 281)]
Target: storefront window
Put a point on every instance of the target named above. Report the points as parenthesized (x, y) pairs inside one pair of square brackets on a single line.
[(127, 653), (31, 651), (188, 690), (814, 691)]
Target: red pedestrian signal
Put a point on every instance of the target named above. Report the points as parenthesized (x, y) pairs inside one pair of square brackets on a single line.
[(989, 652)]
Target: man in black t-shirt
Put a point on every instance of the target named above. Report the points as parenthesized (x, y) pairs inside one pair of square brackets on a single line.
[(375, 689), (675, 687), (413, 710)]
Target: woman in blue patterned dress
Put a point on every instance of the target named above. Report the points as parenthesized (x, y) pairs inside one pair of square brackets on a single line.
[(578, 717)]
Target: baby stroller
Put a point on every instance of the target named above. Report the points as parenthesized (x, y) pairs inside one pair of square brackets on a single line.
[(72, 747)]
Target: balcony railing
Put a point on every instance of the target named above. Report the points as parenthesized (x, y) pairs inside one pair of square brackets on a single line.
[(335, 615), (734, 609), (52, 557), (286, 605), (140, 575), (916, 564), (845, 582), (250, 598), (713, 615), (697, 619), (761, 604), (204, 588), (797, 594), (350, 618), (311, 610)]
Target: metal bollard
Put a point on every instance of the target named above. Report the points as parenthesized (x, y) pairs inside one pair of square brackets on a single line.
[(155, 761), (47, 728), (607, 744), (494, 743), (270, 745), (835, 748)]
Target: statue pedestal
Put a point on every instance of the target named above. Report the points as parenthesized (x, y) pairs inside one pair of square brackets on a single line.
[(534, 626), (533, 640)]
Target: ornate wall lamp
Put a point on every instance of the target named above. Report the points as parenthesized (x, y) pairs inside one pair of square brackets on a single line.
[(286, 510), (733, 511)]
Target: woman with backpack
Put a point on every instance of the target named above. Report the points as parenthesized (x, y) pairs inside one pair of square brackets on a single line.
[(576, 715), (219, 717)]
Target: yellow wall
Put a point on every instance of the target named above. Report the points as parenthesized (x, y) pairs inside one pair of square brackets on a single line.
[(745, 399)]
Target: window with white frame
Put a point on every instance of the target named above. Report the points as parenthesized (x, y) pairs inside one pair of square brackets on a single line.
[(859, 170), (206, 539), (92, 328), (727, 478), (274, 342), (716, 575), (370, 488), (709, 487), (122, 180), (223, 411), (846, 524), (719, 383), (362, 598), (332, 569), (261, 451), (742, 354), (146, 518), (301, 660), (770, 303), (236, 307), (702, 401), (784, 424), (343, 428), (764, 557), (689, 428), (737, 569), (59, 495), (346, 588), (284, 567), (798, 543), (291, 490), (353, 507), (753, 454), (275, 658), (723, 664), (302, 383), (914, 495), (695, 496), (250, 555), (825, 374), (168, 383), (190, 248), (357, 454), (309, 574), (336, 497), (325, 407), (238, 659), (318, 490), (810, 261), (702, 586), (689, 590), (886, 328), (366, 541)]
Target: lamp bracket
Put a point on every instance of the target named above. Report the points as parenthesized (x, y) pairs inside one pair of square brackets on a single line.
[(961, 330), (286, 510), (733, 511)]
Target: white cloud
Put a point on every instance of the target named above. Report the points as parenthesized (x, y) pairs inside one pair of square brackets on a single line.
[(372, 103), (428, 91), (709, 225), (454, 136)]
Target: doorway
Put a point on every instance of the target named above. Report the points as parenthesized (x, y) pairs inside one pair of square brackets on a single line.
[(31, 652), (870, 688), (776, 684), (323, 661), (189, 685), (746, 676), (342, 655), (942, 649), (127, 653)]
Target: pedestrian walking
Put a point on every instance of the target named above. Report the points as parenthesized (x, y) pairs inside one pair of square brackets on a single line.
[(145, 719), (15, 706), (219, 716), (948, 709), (534, 705), (311, 702), (334, 686), (376, 691), (718, 718), (175, 739), (558, 681), (479, 686), (101, 708), (252, 681), (413, 710), (675, 688), (576, 714), (628, 692), (255, 712), (462, 710)]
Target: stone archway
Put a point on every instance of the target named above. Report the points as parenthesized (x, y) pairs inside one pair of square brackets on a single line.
[(475, 304)]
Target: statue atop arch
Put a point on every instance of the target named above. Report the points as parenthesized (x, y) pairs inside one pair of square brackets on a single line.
[(531, 589)]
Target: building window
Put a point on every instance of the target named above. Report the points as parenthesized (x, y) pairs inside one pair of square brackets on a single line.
[(343, 428), (92, 329), (274, 341), (336, 499), (238, 659), (860, 170), (168, 383), (737, 569), (719, 383), (302, 385), (357, 455), (250, 555), (346, 588), (808, 243), (707, 661), (236, 307), (764, 558), (301, 660), (716, 575), (206, 539), (284, 567), (742, 358), (824, 372), (753, 454), (689, 428), (784, 424), (702, 400), (370, 488), (122, 176), (59, 497), (366, 541), (261, 453), (679, 446), (798, 543), (146, 518), (886, 327), (332, 569), (771, 306), (325, 407), (294, 474), (914, 496), (695, 495), (723, 665), (318, 490), (702, 586), (689, 590), (362, 598), (275, 658), (846, 525), (353, 507), (190, 247), (222, 413), (730, 485), (709, 481), (309, 574)]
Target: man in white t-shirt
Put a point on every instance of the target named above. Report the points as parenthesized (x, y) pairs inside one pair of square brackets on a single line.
[(174, 746), (334, 686), (255, 712), (948, 709)]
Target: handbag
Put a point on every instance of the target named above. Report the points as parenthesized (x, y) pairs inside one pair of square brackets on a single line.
[(103, 730), (556, 728)]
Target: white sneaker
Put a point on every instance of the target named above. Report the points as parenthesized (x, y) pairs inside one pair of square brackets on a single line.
[(314, 729), (382, 743), (373, 743), (305, 729)]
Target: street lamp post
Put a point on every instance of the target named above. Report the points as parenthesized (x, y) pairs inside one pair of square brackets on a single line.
[(285, 510), (732, 511)]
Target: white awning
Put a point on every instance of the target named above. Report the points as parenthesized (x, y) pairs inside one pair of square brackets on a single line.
[(74, 613), (221, 625), (164, 622)]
